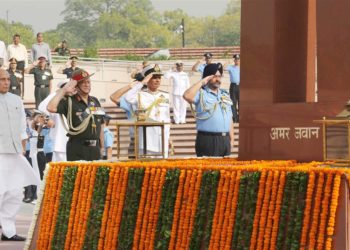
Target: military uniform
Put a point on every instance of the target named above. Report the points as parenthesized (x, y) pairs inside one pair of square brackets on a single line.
[(42, 78), (69, 71), (63, 51), (213, 115), (157, 108), (84, 121), (16, 78)]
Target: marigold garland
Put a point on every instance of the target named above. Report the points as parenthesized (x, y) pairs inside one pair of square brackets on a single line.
[(259, 203), (318, 209), (315, 212), (333, 210), (307, 211), (271, 210), (324, 213), (277, 212)]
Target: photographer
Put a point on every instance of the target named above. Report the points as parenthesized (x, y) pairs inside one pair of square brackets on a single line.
[(40, 125)]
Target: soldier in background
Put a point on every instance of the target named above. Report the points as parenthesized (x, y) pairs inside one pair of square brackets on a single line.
[(16, 77), (42, 79), (71, 66), (19, 52), (62, 49)]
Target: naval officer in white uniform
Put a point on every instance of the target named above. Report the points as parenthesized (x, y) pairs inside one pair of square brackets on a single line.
[(180, 83), (156, 104), (15, 170)]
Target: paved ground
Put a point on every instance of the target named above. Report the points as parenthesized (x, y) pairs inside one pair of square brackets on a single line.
[(22, 224)]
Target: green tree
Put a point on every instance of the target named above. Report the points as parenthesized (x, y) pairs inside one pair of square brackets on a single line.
[(25, 31)]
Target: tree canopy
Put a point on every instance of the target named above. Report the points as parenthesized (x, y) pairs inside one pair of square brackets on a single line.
[(134, 23)]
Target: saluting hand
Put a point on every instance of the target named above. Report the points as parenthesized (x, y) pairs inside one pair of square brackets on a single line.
[(206, 79), (148, 77), (70, 87)]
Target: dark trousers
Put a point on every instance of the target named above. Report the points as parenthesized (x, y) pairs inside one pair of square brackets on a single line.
[(29, 191), (77, 150), (48, 157), (212, 145), (41, 163), (234, 95), (20, 67), (40, 94)]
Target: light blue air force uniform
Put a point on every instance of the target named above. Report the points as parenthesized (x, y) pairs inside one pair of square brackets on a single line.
[(201, 68), (234, 73), (108, 138), (213, 110), (129, 112)]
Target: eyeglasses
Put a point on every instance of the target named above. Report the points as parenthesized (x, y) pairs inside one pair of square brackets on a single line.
[(218, 76)]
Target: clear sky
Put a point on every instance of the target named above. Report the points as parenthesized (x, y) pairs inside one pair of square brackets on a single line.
[(45, 14)]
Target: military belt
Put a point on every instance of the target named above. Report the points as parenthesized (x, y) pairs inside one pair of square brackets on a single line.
[(213, 133)]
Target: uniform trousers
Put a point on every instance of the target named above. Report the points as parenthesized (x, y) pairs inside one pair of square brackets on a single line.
[(180, 108), (59, 156), (10, 203), (234, 95), (212, 144), (77, 150), (20, 67), (40, 94)]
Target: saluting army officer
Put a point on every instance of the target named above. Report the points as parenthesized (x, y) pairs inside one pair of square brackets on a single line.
[(42, 79), (84, 117), (16, 77), (213, 113)]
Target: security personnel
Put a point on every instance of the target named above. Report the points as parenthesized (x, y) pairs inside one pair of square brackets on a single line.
[(62, 49), (42, 79), (234, 72), (71, 66), (84, 117), (200, 64), (213, 113), (16, 77)]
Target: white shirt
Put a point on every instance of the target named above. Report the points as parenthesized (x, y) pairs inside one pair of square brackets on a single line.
[(180, 81), (3, 53), (160, 113), (58, 132), (19, 52)]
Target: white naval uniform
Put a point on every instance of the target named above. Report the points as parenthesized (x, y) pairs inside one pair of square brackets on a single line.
[(180, 83), (58, 133), (15, 170), (160, 113)]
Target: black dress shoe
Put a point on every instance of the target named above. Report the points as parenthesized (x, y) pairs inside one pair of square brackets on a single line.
[(13, 238), (28, 200)]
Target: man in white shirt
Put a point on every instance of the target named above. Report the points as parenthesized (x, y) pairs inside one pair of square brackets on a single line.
[(19, 52), (3, 54), (15, 170), (59, 131), (180, 83)]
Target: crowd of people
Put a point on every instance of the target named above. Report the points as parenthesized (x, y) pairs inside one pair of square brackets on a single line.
[(69, 124)]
